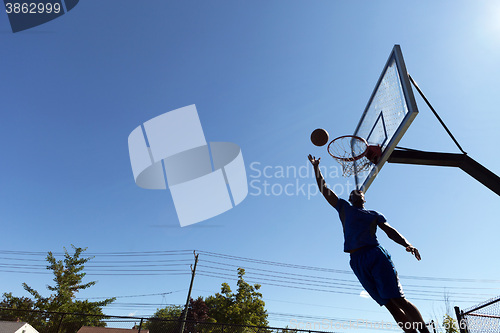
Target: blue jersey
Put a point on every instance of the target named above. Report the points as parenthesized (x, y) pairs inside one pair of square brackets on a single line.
[(359, 225)]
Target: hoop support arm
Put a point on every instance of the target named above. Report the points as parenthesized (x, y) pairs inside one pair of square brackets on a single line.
[(436, 114), (462, 161)]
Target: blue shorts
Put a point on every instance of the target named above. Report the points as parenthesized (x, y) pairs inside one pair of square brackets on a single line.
[(376, 273)]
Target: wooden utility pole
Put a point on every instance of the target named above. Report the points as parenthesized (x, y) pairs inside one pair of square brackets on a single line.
[(193, 272)]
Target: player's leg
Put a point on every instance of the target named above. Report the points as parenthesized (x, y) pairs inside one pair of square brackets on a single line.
[(389, 288), (400, 317), (411, 313), (376, 273), (361, 263)]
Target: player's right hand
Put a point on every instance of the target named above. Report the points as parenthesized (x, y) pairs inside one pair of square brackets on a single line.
[(413, 250), (313, 160)]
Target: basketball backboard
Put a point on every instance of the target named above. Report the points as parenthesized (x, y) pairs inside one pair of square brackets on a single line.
[(388, 114)]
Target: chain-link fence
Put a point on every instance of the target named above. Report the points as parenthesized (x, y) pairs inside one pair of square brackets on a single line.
[(65, 322), (483, 318)]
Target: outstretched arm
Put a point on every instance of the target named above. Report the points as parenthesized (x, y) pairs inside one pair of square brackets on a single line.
[(398, 238), (329, 195)]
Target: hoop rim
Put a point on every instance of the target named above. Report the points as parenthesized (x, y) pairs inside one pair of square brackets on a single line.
[(349, 159)]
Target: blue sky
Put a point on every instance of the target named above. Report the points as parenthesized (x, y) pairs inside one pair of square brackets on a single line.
[(263, 74)]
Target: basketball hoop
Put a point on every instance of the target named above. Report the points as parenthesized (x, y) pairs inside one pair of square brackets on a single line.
[(354, 154)]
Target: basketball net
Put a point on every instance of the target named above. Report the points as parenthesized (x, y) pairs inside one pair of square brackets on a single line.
[(354, 154)]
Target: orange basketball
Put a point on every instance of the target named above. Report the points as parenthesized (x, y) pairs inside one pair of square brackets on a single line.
[(319, 137)]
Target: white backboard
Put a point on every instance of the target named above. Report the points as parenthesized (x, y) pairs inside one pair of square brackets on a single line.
[(388, 114)]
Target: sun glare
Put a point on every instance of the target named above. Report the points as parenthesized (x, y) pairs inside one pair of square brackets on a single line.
[(492, 21), (364, 294)]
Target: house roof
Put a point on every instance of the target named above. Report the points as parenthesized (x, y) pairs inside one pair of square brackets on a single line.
[(10, 326), (89, 329)]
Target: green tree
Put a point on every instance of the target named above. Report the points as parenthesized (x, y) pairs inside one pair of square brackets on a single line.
[(245, 307), (196, 316), (450, 324), (165, 320), (68, 277), (169, 318), (23, 304)]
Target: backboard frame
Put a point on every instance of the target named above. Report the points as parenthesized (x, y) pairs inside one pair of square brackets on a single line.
[(396, 56)]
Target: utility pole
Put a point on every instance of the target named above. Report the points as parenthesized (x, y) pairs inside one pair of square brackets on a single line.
[(193, 271)]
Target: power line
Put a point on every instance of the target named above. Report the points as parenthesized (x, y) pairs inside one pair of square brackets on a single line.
[(288, 278), (130, 253), (130, 296), (313, 268), (243, 259), (313, 281), (323, 288)]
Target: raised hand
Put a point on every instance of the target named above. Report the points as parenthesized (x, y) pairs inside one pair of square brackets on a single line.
[(313, 160)]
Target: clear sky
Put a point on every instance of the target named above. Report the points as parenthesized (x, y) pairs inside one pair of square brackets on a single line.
[(263, 74)]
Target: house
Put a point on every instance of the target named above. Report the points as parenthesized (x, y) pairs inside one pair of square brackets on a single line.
[(89, 329), (16, 327)]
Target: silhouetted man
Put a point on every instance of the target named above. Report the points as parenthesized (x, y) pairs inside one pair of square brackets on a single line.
[(370, 262)]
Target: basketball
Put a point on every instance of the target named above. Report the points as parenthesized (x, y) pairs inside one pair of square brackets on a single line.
[(319, 137)]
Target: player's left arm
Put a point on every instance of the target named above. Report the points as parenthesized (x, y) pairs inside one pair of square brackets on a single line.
[(393, 234)]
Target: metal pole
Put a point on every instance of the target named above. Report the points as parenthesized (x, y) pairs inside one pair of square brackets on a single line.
[(462, 161), (193, 272), (460, 320), (435, 113), (60, 322), (140, 325)]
